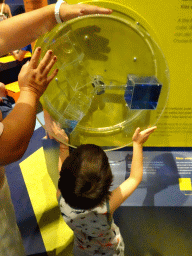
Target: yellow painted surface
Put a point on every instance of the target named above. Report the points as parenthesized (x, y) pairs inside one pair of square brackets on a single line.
[(14, 87), (185, 184), (42, 192)]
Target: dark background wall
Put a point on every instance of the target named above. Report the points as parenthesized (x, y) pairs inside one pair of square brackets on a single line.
[(17, 6)]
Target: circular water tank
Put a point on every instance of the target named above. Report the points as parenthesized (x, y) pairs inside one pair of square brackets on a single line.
[(95, 97)]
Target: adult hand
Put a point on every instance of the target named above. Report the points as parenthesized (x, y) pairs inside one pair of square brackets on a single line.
[(70, 11), (141, 137), (34, 77)]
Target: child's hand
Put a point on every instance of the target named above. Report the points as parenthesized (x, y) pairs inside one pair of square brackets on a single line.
[(63, 148), (141, 137), (54, 129), (34, 77)]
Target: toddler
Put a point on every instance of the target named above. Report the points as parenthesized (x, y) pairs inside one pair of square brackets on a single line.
[(86, 202)]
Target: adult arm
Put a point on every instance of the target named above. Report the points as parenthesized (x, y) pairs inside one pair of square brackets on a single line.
[(120, 194), (19, 124), (14, 32)]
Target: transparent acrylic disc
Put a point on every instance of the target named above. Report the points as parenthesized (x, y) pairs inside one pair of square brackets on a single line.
[(96, 54)]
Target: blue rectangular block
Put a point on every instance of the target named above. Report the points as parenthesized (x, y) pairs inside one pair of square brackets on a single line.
[(142, 92)]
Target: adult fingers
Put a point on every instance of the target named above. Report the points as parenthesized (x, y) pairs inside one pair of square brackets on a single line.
[(92, 9), (50, 65), (50, 78), (45, 61), (25, 66), (35, 58)]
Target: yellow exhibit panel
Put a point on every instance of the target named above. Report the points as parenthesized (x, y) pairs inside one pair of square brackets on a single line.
[(112, 78)]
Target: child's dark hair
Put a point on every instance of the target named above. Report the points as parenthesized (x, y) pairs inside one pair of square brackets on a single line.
[(86, 177)]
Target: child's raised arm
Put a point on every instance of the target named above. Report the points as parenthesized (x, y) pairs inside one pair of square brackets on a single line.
[(54, 131), (63, 154), (120, 194)]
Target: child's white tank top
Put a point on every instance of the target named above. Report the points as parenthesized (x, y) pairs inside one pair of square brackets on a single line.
[(95, 233)]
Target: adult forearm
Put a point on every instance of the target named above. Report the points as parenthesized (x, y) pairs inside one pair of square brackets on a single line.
[(27, 28), (22, 29), (18, 128), (33, 80), (137, 162)]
